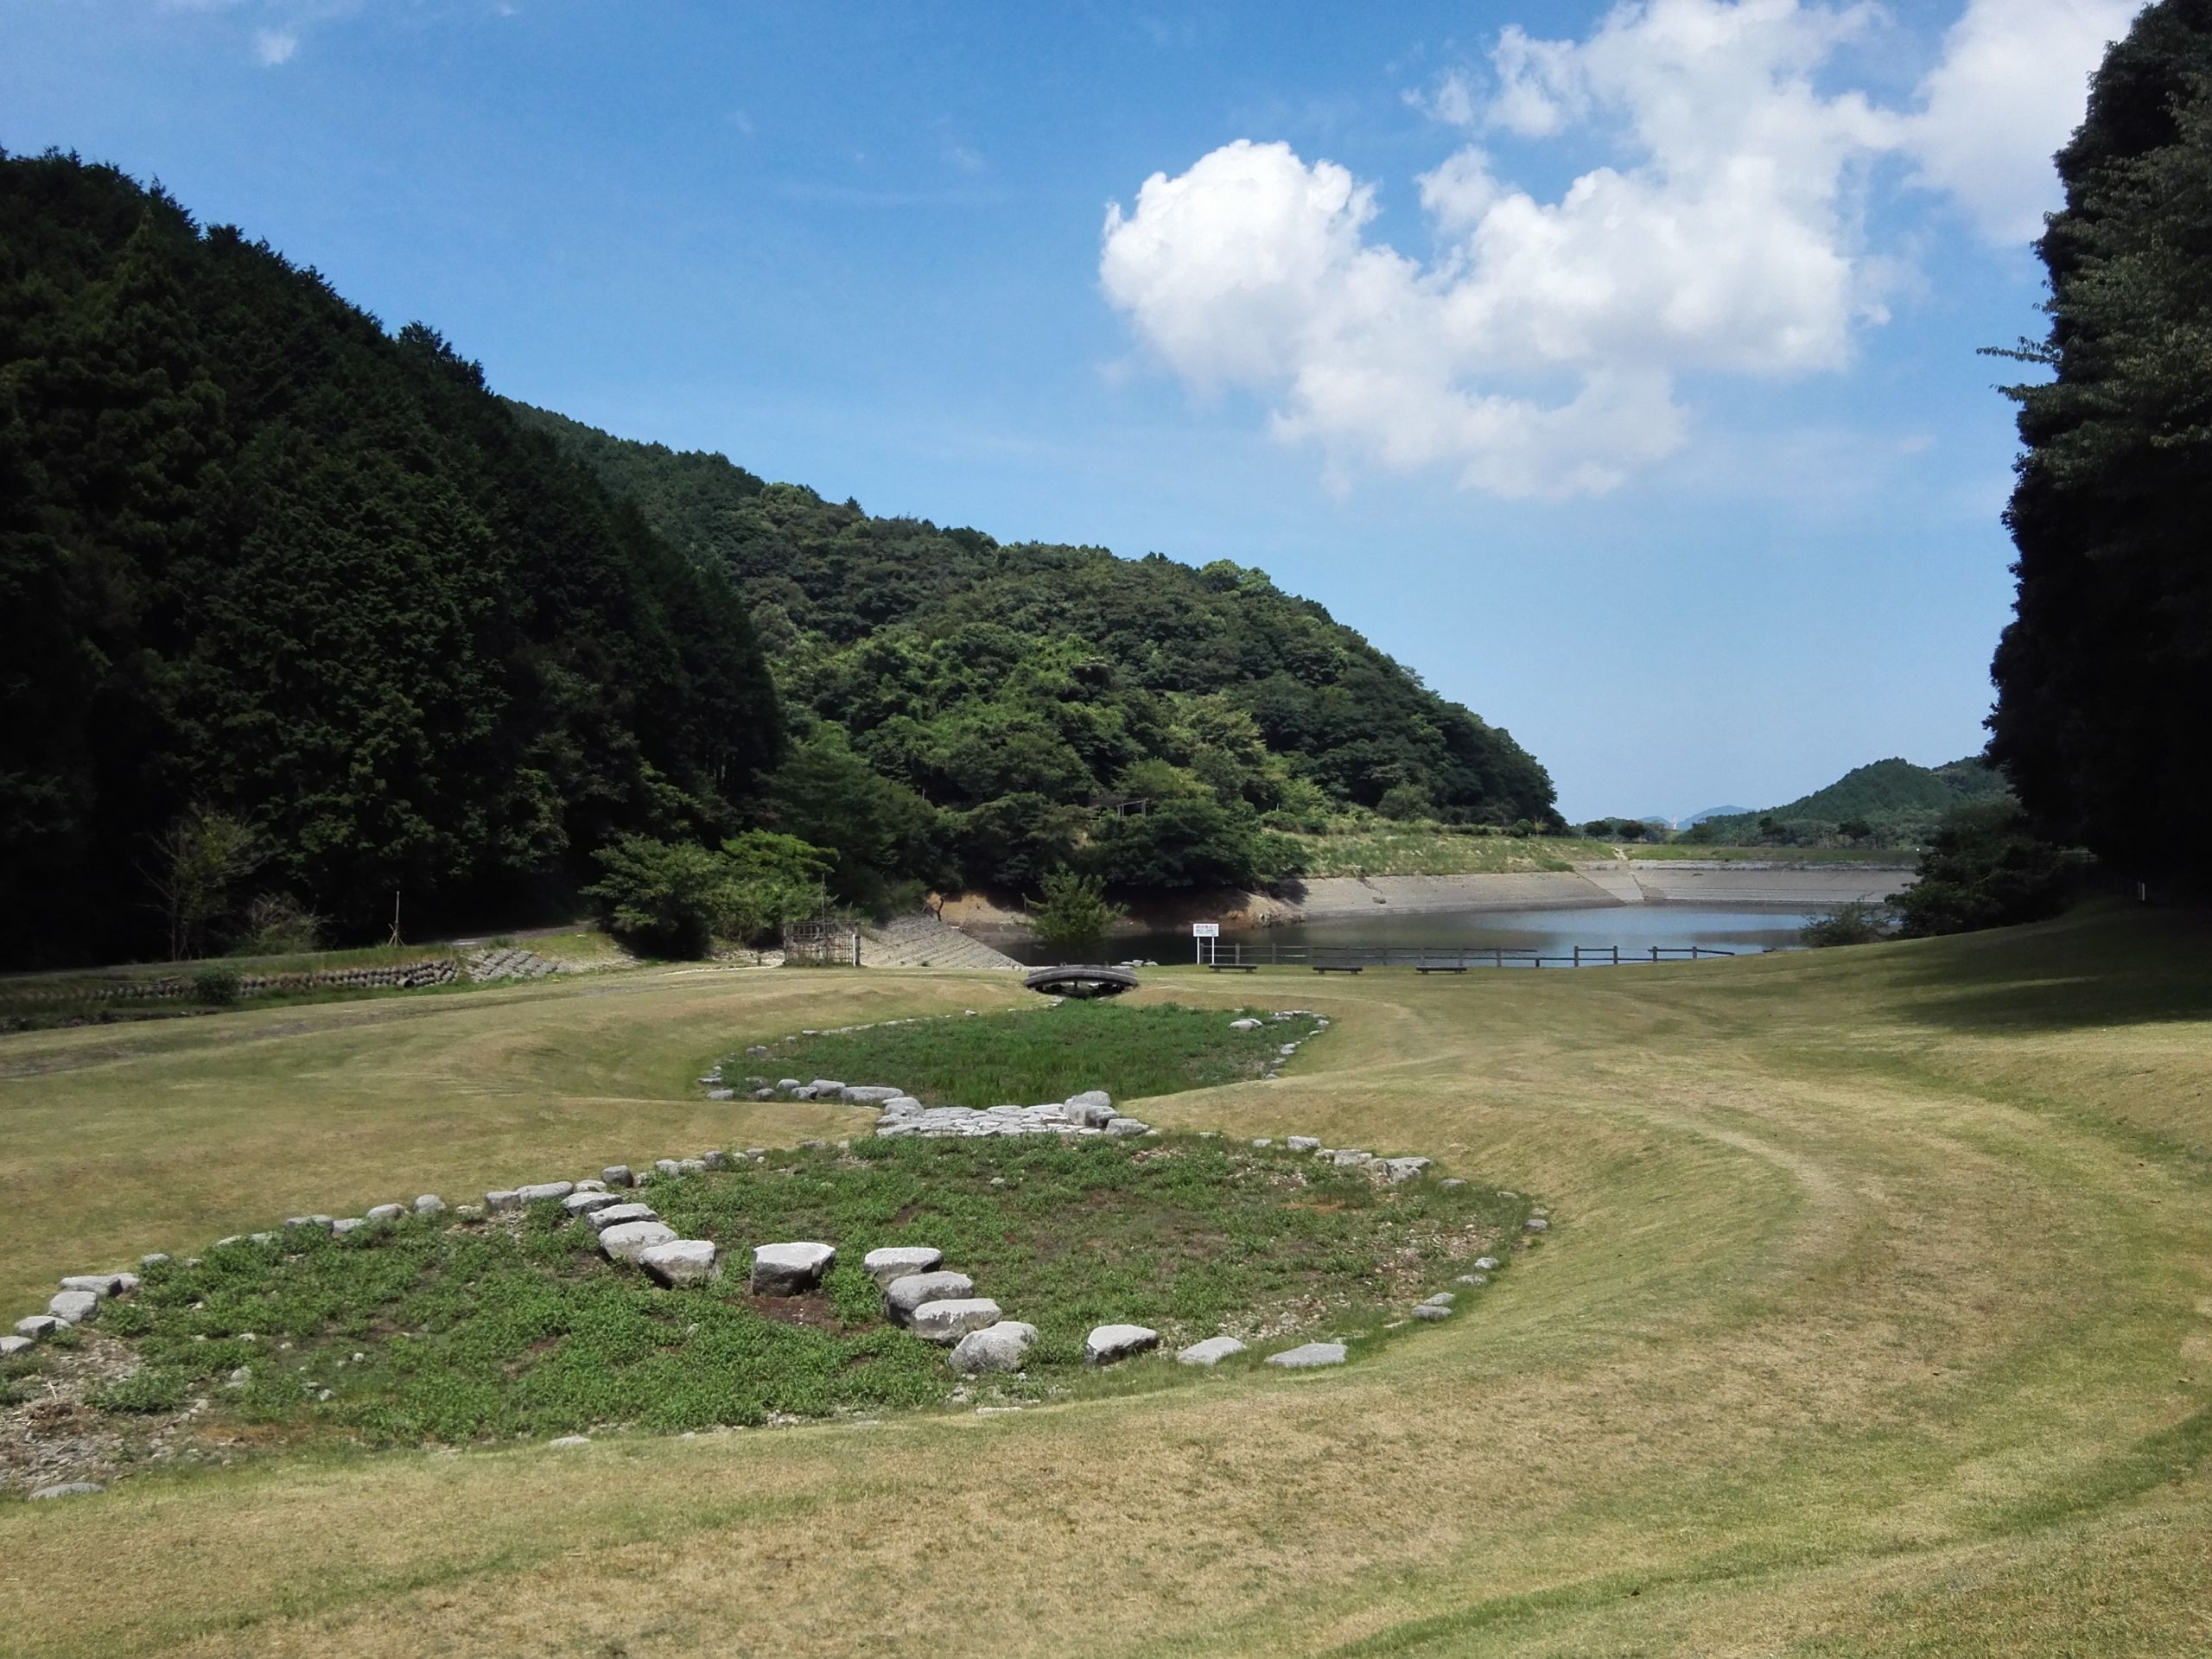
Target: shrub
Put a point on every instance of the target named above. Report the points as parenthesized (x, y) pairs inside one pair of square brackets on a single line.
[(1986, 868), (217, 986), (1852, 923), (1075, 915), (277, 924), (147, 1390)]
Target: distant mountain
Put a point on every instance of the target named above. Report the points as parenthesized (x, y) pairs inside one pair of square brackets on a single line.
[(1899, 802), (1715, 812)]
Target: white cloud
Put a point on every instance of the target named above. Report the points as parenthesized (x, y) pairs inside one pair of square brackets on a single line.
[(274, 46), (2008, 93), (1536, 352)]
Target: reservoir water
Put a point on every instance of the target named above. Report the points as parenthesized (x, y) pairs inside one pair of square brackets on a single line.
[(1745, 929)]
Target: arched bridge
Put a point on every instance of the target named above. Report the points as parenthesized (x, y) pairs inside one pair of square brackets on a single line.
[(1082, 980)]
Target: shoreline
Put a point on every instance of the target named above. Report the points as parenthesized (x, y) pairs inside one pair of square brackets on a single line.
[(1667, 884)]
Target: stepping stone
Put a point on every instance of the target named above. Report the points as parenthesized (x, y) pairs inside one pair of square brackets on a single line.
[(667, 1166), (158, 1259), (871, 1093), (1536, 1224), (908, 1292), (430, 1204), (10, 1346), (1451, 1184), (386, 1212), (615, 1214), (692, 1165), (1442, 1298), (626, 1241), (539, 1191), (1304, 1143), (346, 1224), (568, 1441), (1472, 1279), (1093, 1107), (74, 1307), (1308, 1355), (71, 1489), (1245, 1025), (589, 1186), (1486, 1264), (1431, 1311), (1119, 1126), (1213, 1349), (685, 1263), (1403, 1169), (99, 1284), (995, 1347), (583, 1203), (502, 1201), (715, 1160), (827, 1086), (38, 1327), (1108, 1343), (898, 1261), (790, 1269), (950, 1321), (617, 1175)]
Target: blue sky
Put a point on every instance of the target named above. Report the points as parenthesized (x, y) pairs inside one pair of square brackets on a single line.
[(1612, 366)]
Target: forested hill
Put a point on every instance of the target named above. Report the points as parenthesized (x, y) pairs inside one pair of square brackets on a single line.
[(1012, 684), (1891, 801), (263, 564)]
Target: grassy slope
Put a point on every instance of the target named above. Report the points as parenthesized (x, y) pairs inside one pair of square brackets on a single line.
[(1421, 849), (1878, 1316)]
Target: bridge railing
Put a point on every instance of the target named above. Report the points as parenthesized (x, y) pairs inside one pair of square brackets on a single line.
[(1240, 955)]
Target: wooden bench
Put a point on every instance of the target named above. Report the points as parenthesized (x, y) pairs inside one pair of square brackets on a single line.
[(1340, 968), (1441, 968), (1234, 966)]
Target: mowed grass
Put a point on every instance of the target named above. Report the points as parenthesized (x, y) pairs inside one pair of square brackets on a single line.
[(439, 1329), (1043, 1053), (1876, 1318)]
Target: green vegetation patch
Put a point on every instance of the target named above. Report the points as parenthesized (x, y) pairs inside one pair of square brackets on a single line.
[(454, 1330), (1044, 1053), (1438, 849)]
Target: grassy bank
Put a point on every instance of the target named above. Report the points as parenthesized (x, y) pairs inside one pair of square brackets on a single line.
[(1432, 850), (1876, 1318)]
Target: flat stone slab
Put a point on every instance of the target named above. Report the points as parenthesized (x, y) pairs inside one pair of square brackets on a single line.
[(10, 1346), (502, 1201), (1442, 1298), (386, 1212), (68, 1489), (1119, 1126), (999, 1347), (952, 1319), (685, 1263), (101, 1284), (429, 1204), (909, 1291), (539, 1191), (1431, 1311), (627, 1240), (1308, 1355), (583, 1203), (615, 1214), (1108, 1343), (617, 1175), (346, 1224), (898, 1261), (870, 1093), (790, 1269), (1304, 1143), (1213, 1349), (37, 1327), (1536, 1224), (1486, 1264), (1245, 1025), (74, 1307), (1403, 1169)]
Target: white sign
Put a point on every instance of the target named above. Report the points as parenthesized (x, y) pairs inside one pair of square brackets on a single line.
[(1206, 930)]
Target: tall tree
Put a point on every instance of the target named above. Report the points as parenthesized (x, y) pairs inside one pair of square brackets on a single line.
[(2105, 675)]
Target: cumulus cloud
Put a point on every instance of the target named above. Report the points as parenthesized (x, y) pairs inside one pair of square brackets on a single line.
[(274, 46), (1537, 350), (2009, 92)]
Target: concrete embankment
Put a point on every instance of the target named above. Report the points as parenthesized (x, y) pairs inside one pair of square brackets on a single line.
[(1800, 887)]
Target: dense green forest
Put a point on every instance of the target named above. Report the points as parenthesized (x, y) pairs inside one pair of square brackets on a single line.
[(297, 619), (289, 604), (2105, 675), (1888, 804), (1038, 696)]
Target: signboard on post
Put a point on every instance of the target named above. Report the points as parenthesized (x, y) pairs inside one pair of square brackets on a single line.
[(1206, 930), (1204, 936)]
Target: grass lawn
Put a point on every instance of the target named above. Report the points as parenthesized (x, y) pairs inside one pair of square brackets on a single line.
[(1876, 1317), (1040, 1053)]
